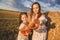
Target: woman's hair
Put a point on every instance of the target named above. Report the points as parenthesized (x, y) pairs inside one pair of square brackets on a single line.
[(22, 13), (37, 4), (31, 11)]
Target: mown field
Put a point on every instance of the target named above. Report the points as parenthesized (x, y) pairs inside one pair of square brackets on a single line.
[(9, 23), (54, 24)]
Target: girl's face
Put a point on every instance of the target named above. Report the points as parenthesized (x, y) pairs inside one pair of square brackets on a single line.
[(35, 8), (24, 18)]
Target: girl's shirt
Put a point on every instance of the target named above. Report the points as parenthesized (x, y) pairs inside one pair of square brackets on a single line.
[(20, 35), (22, 25)]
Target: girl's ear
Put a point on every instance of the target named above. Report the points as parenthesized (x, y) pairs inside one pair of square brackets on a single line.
[(20, 19)]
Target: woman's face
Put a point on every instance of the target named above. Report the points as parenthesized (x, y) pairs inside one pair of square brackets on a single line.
[(35, 8)]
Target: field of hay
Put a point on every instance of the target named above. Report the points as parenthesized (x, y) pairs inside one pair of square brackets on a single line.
[(9, 22), (54, 32)]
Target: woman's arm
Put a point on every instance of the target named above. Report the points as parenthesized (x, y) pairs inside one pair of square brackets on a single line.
[(43, 19), (34, 24)]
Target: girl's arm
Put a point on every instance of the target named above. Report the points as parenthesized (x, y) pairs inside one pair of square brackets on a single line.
[(21, 28), (24, 30)]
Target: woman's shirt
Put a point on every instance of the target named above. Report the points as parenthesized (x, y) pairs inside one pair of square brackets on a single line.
[(44, 20)]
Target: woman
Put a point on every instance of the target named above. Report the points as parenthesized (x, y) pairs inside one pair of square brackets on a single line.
[(40, 32)]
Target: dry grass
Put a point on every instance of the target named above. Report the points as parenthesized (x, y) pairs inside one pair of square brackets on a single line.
[(54, 33)]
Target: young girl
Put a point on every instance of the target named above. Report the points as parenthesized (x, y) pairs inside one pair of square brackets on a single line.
[(40, 31), (23, 35)]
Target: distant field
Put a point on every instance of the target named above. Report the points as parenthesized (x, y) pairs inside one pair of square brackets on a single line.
[(9, 22), (9, 14)]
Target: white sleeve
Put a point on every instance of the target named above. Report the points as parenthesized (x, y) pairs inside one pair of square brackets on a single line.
[(21, 26), (42, 18)]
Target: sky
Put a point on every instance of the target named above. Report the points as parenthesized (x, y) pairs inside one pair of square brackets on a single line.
[(25, 5)]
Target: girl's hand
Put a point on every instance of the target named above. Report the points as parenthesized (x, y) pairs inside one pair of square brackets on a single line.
[(25, 33)]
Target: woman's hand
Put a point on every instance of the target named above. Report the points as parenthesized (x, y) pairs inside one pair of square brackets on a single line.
[(41, 22), (39, 27), (36, 16)]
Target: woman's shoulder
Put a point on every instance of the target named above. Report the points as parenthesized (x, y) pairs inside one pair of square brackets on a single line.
[(42, 17)]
